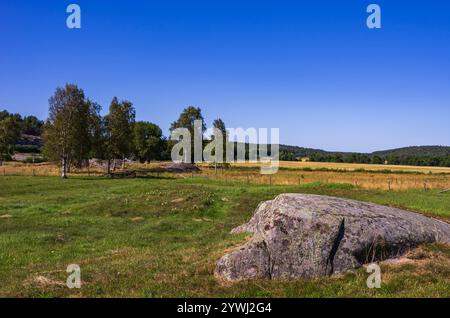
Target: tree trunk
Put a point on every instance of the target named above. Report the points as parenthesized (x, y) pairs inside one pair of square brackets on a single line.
[(123, 161), (88, 166), (64, 167), (109, 166)]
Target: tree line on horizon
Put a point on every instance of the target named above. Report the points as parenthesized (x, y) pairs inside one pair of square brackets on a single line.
[(435, 160), (75, 132)]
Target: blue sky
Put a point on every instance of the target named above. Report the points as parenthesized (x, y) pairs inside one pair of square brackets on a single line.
[(311, 68)]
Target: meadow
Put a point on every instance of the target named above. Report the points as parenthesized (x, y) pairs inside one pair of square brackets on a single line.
[(368, 176), (161, 237)]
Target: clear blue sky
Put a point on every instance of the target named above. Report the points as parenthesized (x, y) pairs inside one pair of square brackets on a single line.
[(311, 68)]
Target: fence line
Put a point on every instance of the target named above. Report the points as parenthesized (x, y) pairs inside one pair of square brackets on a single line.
[(364, 180)]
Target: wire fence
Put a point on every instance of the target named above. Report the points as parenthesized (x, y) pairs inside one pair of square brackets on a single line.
[(367, 179)]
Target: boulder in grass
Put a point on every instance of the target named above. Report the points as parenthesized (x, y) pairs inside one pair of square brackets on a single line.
[(307, 236)]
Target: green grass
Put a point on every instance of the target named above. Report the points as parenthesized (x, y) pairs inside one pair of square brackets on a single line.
[(161, 238)]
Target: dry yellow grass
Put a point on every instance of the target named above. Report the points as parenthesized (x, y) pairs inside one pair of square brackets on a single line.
[(372, 177), (368, 180), (349, 166)]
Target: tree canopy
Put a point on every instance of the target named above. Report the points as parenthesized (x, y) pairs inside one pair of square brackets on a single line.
[(148, 141), (68, 131), (119, 127), (9, 135)]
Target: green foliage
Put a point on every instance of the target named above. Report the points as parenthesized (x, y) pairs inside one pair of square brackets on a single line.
[(119, 126), (68, 130), (9, 135), (287, 156), (29, 125), (148, 141), (410, 160), (414, 151), (88, 135), (220, 125), (186, 120), (27, 148)]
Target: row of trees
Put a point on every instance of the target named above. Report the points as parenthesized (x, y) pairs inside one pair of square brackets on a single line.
[(75, 131), (28, 125), (442, 160), (420, 160)]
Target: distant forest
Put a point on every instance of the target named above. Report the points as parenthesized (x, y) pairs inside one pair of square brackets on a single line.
[(438, 156)]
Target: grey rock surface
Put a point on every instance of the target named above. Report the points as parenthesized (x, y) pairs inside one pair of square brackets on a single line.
[(306, 236), (180, 167)]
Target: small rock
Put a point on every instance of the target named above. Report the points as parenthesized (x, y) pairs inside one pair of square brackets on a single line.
[(202, 220), (180, 167), (43, 281), (6, 216)]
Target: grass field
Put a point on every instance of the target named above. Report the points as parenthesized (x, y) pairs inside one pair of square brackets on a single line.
[(352, 166), (161, 237), (290, 173)]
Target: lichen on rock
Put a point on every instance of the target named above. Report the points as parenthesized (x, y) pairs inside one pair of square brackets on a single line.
[(307, 236)]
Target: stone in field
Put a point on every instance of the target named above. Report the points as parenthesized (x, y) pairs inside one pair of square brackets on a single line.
[(307, 236), (180, 167)]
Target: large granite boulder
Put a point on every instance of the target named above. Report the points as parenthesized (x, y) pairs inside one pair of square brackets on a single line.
[(306, 236)]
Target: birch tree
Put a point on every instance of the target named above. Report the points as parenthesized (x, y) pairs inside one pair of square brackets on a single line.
[(69, 127)]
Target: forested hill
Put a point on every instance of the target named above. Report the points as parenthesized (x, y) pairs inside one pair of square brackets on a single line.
[(405, 151), (415, 155), (415, 151)]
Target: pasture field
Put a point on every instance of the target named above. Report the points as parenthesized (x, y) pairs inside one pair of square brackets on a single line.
[(161, 236), (290, 173), (351, 166)]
